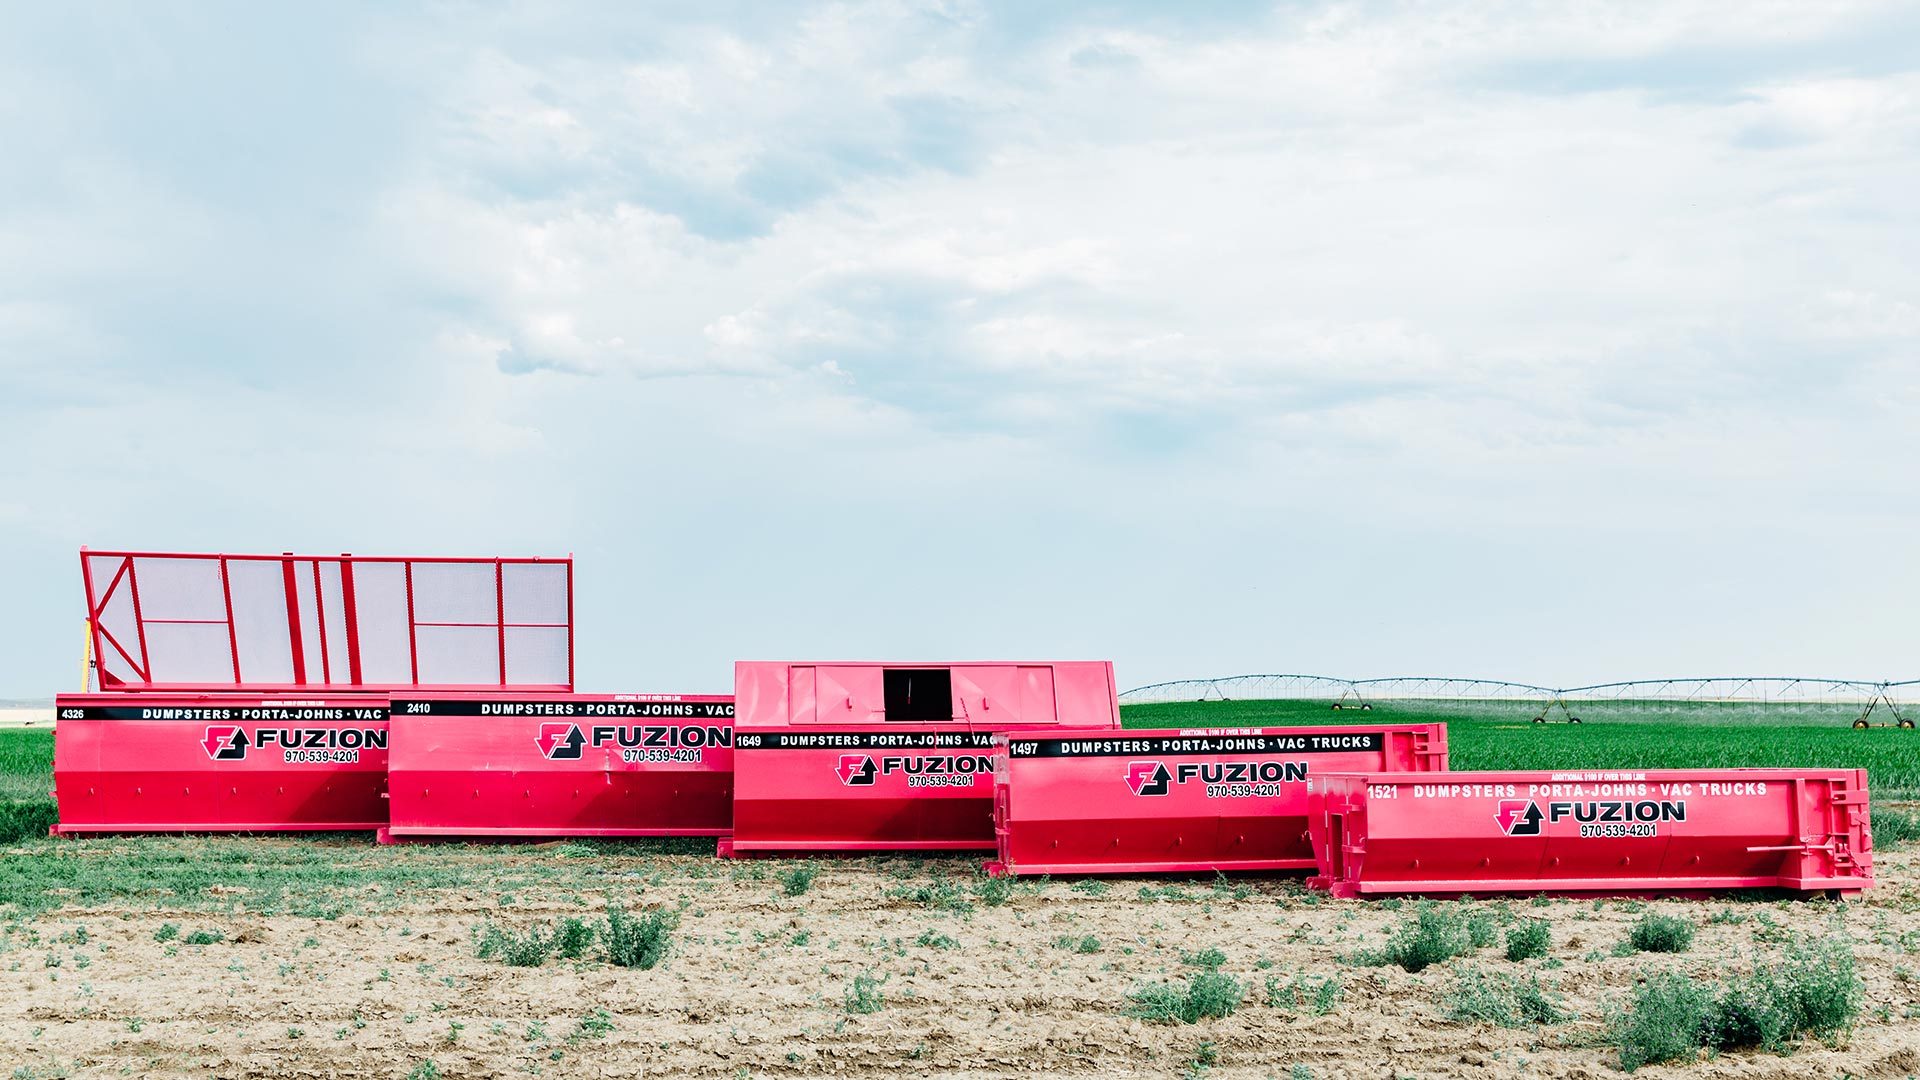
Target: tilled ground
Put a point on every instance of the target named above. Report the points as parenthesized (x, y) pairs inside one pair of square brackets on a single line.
[(384, 980)]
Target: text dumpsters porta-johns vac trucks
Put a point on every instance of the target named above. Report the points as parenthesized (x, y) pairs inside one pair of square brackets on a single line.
[(434, 698)]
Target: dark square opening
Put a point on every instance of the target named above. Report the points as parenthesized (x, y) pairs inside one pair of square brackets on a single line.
[(919, 693)]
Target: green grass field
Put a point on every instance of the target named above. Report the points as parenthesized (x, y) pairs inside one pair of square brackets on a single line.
[(1614, 735)]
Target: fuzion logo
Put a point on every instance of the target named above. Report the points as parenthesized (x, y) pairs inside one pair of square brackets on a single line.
[(560, 742), (921, 770), (563, 741), (1153, 777), (1523, 817), (855, 770), (229, 742), (1518, 817), (1148, 777), (224, 742)]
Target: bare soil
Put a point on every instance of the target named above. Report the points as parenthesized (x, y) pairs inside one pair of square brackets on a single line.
[(757, 982)]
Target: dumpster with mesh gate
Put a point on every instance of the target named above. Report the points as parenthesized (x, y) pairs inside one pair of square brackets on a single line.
[(489, 765), (879, 757), (218, 763), (1207, 799), (1632, 832), (240, 690)]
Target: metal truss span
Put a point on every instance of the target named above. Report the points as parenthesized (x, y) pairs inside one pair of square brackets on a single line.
[(1756, 689)]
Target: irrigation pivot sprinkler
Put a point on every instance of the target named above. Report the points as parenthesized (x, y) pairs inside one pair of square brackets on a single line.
[(1358, 702), (1564, 711), (1881, 697)]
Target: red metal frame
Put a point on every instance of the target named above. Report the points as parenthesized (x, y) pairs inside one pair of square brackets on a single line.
[(140, 665)]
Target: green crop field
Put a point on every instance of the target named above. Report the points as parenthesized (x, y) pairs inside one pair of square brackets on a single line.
[(26, 777), (26, 763), (1612, 735)]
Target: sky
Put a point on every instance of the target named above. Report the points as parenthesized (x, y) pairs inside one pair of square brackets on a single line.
[(1555, 342)]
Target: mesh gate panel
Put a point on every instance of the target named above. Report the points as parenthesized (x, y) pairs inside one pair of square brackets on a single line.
[(456, 593), (537, 654), (187, 620), (333, 611), (260, 620), (311, 642), (380, 609), (189, 652), (185, 589), (537, 593), (458, 654)]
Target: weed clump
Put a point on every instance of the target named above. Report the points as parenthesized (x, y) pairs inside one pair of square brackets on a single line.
[(1085, 945), (530, 949), (573, 938), (1481, 997), (864, 994), (1210, 958), (167, 932), (1528, 941), (597, 1024), (798, 879), (1814, 990), (205, 937), (1432, 935), (1318, 998), (1208, 994), (638, 941), (940, 894), (1661, 934), (1663, 1021), (1480, 929), (994, 891)]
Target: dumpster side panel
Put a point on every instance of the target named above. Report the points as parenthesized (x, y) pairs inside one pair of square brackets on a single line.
[(1146, 801), (219, 763), (855, 789), (562, 765), (1609, 832)]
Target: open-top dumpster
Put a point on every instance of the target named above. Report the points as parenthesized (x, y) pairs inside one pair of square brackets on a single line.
[(1203, 799), (560, 765), (879, 757), (1625, 831), (218, 763)]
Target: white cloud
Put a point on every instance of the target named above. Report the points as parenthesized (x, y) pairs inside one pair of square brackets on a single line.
[(1110, 310)]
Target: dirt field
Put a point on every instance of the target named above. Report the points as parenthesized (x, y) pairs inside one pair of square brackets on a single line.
[(377, 975)]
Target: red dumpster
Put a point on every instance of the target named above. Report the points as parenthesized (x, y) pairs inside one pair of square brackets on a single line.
[(1208, 799), (560, 765), (226, 762), (880, 757), (1662, 831)]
